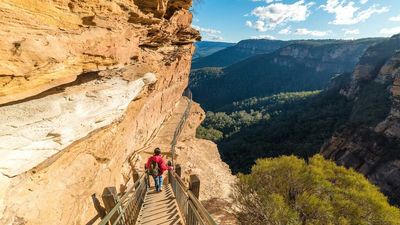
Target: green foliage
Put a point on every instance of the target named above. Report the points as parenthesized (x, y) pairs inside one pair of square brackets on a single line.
[(248, 112), (200, 75), (230, 124), (238, 52), (287, 190), (380, 53), (209, 134), (284, 124), (258, 76), (296, 66), (372, 105), (206, 48), (270, 103)]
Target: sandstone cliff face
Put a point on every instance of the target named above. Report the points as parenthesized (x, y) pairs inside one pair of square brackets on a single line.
[(371, 63), (372, 147), (84, 84), (335, 57)]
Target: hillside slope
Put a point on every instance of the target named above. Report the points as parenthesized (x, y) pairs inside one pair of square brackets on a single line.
[(238, 52), (370, 141), (354, 122), (206, 48), (285, 124), (304, 66)]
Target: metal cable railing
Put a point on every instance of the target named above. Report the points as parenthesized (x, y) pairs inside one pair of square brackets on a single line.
[(191, 208), (127, 208), (187, 93)]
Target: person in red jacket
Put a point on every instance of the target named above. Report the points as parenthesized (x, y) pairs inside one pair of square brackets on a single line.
[(156, 166)]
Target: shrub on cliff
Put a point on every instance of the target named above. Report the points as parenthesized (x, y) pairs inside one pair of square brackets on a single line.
[(209, 134), (287, 190)]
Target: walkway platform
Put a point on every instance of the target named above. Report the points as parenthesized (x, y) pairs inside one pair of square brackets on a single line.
[(160, 208)]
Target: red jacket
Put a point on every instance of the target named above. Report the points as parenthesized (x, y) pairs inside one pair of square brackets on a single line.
[(161, 163)]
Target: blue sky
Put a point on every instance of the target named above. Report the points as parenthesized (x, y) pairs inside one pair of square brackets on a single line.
[(235, 20)]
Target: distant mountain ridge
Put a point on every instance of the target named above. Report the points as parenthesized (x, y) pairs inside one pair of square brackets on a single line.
[(299, 66), (238, 52), (206, 48)]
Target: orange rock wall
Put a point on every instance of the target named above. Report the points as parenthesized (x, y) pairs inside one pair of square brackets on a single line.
[(46, 46)]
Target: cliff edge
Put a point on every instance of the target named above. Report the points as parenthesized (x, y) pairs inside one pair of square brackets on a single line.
[(370, 141), (85, 85)]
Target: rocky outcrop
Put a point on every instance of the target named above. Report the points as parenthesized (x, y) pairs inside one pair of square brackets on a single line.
[(37, 129), (46, 44), (201, 157), (84, 85), (324, 57), (371, 63), (370, 143), (198, 156), (372, 154)]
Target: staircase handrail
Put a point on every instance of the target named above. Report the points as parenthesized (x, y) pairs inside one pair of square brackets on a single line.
[(127, 207), (193, 211), (187, 93)]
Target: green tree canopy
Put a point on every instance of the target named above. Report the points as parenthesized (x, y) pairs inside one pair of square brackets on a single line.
[(289, 191)]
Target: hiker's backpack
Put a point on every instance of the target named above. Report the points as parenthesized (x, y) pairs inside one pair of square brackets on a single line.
[(154, 170)]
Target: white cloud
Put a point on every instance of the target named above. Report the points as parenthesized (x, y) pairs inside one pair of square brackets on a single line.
[(363, 2), (351, 31), (269, 37), (390, 31), (316, 33), (395, 18), (346, 13), (258, 25), (285, 30), (267, 1), (206, 30), (212, 37), (209, 34), (279, 13)]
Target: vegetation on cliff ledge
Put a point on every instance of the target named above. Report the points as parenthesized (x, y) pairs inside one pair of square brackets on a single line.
[(284, 124), (238, 115), (288, 190)]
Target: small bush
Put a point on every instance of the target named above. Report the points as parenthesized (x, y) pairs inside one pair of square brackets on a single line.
[(287, 190), (209, 134)]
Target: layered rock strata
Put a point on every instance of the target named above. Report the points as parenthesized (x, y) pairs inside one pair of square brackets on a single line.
[(84, 85), (370, 143)]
